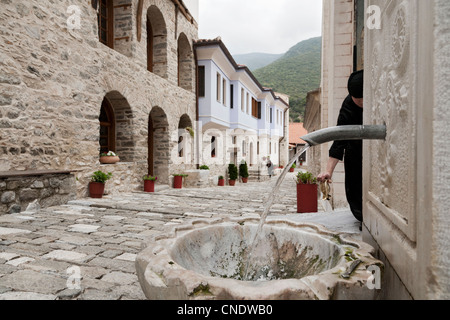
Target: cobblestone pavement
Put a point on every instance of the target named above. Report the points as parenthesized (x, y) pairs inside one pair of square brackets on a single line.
[(42, 254)]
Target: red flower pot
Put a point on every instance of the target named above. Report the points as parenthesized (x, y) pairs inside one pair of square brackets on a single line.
[(291, 170), (232, 183), (149, 186), (96, 189), (178, 182), (221, 182), (244, 180), (306, 198)]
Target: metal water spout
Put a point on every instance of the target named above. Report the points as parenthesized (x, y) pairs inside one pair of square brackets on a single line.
[(354, 132)]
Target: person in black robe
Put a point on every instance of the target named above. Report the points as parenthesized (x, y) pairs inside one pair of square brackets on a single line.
[(350, 151)]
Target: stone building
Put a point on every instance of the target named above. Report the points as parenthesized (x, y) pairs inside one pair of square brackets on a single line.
[(403, 46), (341, 48), (77, 80), (296, 131), (312, 123)]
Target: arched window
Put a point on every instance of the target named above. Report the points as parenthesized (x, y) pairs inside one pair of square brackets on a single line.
[(156, 42), (185, 139), (185, 63), (158, 144), (149, 46), (116, 135), (107, 128)]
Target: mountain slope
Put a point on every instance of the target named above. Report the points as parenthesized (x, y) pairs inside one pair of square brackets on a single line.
[(295, 74), (256, 60)]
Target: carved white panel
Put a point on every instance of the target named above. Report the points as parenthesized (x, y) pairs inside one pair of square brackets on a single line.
[(391, 100)]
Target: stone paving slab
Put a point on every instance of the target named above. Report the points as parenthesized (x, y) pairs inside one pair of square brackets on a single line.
[(26, 296), (8, 231), (100, 238), (17, 262), (63, 255), (32, 281)]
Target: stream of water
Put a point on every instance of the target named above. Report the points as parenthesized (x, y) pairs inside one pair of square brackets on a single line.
[(268, 205)]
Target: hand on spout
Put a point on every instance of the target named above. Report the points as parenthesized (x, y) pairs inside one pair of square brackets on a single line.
[(324, 177)]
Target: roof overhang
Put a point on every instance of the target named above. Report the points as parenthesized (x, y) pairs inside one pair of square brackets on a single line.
[(217, 51)]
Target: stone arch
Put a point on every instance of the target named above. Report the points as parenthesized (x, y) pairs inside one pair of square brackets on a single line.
[(116, 126), (185, 138), (214, 145), (239, 139), (185, 122), (185, 63), (156, 42), (158, 144)]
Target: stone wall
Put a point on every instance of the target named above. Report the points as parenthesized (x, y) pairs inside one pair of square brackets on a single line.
[(123, 26), (53, 81), (18, 191), (313, 123)]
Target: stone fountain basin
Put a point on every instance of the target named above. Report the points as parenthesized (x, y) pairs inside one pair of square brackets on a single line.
[(208, 259)]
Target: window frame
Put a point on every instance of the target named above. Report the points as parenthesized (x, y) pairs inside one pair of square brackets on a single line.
[(231, 96), (218, 87), (110, 124), (201, 81), (224, 92), (242, 100), (109, 18)]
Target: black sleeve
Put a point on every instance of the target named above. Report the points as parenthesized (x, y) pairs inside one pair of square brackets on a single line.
[(337, 150)]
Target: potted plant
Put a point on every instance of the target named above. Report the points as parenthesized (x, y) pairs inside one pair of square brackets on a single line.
[(306, 192), (109, 158), (232, 174), (149, 183), (178, 180), (204, 167), (191, 131), (243, 171), (221, 181), (293, 167), (97, 184)]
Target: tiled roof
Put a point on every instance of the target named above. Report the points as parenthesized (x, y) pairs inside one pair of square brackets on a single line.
[(296, 130)]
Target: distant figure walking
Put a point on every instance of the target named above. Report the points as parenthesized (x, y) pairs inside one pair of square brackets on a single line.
[(269, 167)]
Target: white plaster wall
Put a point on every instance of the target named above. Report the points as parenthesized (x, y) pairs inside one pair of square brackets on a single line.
[(209, 107)]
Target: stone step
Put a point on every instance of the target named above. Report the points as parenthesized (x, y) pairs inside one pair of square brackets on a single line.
[(255, 176)]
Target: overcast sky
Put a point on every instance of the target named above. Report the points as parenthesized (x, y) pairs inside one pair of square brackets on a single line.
[(268, 26)]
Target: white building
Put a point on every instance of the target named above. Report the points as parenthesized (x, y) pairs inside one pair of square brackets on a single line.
[(240, 119)]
